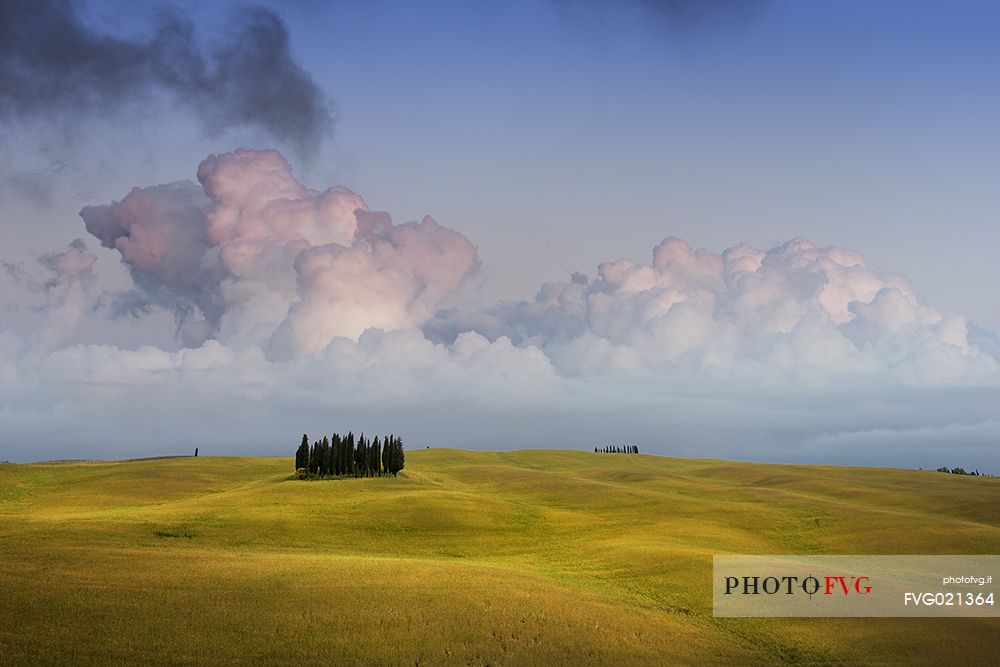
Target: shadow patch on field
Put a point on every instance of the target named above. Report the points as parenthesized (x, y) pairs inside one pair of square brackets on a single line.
[(174, 533)]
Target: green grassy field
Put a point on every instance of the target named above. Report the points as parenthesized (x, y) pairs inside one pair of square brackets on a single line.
[(521, 558)]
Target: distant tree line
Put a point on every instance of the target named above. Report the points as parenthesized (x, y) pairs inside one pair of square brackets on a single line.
[(961, 471), (347, 456), (618, 449)]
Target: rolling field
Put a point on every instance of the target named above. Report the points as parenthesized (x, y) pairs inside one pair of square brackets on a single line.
[(520, 558)]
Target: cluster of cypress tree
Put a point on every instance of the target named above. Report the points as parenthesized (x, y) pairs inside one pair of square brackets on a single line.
[(618, 449), (345, 456), (961, 471)]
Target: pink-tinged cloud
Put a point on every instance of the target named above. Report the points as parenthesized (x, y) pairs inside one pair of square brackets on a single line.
[(253, 257)]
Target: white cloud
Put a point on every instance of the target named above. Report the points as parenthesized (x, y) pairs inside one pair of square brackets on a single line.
[(302, 310), (795, 313), (253, 257)]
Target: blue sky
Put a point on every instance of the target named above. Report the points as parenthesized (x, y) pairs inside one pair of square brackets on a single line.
[(526, 124), (865, 124)]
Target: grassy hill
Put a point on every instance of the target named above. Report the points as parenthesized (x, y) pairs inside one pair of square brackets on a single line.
[(526, 557)]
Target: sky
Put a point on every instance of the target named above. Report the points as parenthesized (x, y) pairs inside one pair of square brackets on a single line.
[(750, 229)]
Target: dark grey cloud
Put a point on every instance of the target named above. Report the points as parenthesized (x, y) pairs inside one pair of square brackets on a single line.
[(53, 64), (672, 15), (33, 185), (695, 11)]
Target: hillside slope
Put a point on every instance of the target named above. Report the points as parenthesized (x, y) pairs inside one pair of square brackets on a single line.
[(525, 557)]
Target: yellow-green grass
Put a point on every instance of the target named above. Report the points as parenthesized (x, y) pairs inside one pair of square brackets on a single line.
[(523, 558)]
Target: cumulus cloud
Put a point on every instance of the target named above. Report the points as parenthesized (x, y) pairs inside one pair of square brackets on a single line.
[(301, 309), (792, 313), (53, 63), (252, 257)]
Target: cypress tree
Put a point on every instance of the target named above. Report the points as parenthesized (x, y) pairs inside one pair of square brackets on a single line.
[(365, 453), (369, 446), (396, 458), (349, 454), (368, 457), (302, 453), (326, 460), (359, 457), (335, 444), (333, 455), (313, 458), (400, 459), (343, 455)]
